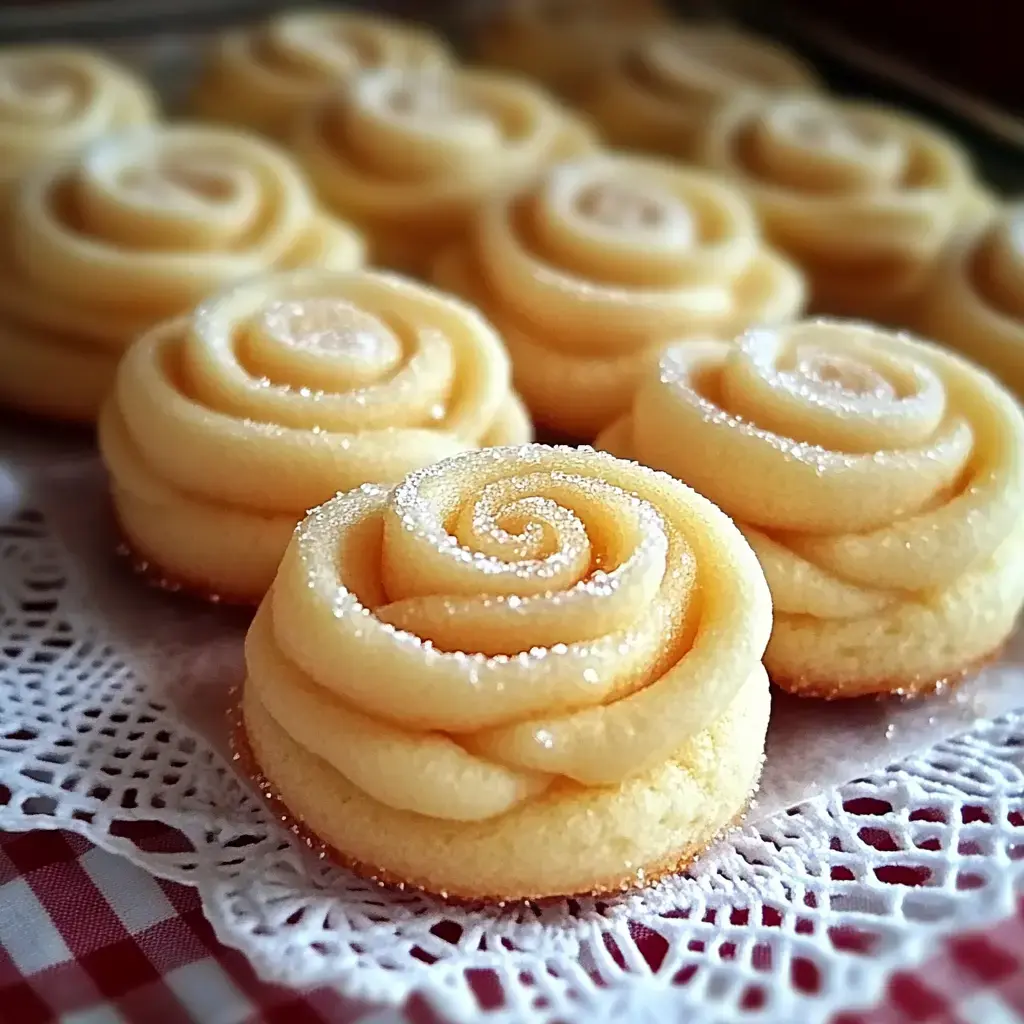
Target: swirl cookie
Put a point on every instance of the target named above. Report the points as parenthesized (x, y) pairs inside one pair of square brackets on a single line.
[(863, 198), (974, 299), (589, 270), (559, 42), (660, 90), (55, 99), (226, 426), (880, 480), (138, 227), (262, 77), (408, 156), (522, 672)]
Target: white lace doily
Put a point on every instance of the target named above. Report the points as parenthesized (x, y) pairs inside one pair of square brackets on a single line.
[(111, 701)]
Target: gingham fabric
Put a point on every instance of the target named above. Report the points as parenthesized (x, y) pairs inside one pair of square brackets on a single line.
[(87, 938)]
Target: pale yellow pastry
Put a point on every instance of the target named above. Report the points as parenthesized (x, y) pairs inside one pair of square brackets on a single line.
[(138, 227), (659, 92), (262, 76), (409, 156), (55, 99), (880, 479), (974, 298), (591, 269), (861, 196), (562, 42), (227, 425), (522, 672)]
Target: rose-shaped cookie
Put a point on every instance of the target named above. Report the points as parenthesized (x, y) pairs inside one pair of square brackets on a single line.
[(880, 480), (226, 426), (522, 672), (410, 155), (561, 42), (660, 90), (862, 197), (138, 227), (593, 267), (262, 77), (974, 299), (55, 99)]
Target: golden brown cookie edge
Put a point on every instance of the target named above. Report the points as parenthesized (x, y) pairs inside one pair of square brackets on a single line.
[(245, 762)]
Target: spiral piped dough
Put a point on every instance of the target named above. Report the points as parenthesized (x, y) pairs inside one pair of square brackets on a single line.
[(562, 42), (659, 92), (262, 77), (226, 426), (974, 299), (880, 480), (522, 672), (590, 270), (138, 227), (409, 156), (55, 99), (862, 197)]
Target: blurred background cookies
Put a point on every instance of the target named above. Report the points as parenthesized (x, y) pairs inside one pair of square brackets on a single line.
[(410, 156), (139, 226), (262, 76), (862, 197), (595, 265), (657, 91), (560, 42), (974, 299), (225, 426), (55, 99), (880, 480)]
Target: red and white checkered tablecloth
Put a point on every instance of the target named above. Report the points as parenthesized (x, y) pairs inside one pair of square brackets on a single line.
[(88, 938)]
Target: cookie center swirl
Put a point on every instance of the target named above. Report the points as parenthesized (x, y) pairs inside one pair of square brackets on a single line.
[(621, 226), (323, 342), (619, 207), (828, 372), (802, 144), (427, 101), (536, 561), (327, 354), (432, 117), (39, 92), (141, 191), (833, 387), (999, 269), (176, 181)]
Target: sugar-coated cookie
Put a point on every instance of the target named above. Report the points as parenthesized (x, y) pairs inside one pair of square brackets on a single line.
[(880, 479), (54, 99), (409, 156), (590, 269), (522, 672), (562, 42), (974, 298), (261, 77), (659, 90), (227, 425), (140, 226), (862, 197)]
